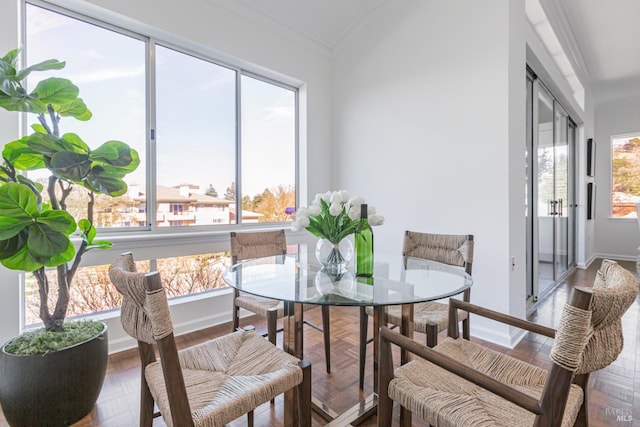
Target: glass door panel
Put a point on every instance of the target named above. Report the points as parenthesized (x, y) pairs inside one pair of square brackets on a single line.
[(561, 199), (546, 201)]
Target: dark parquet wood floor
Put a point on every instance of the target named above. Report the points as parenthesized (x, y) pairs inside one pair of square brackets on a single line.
[(615, 390)]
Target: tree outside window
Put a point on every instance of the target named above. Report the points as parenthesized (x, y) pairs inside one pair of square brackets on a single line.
[(625, 175)]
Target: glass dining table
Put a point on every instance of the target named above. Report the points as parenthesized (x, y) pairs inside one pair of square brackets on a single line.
[(298, 278)]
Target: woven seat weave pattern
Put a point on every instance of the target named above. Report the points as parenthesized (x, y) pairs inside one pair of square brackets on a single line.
[(586, 340), (224, 378), (259, 305), (424, 313), (452, 249), (228, 377), (444, 399)]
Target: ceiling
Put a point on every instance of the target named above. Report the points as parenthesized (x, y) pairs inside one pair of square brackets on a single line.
[(602, 35)]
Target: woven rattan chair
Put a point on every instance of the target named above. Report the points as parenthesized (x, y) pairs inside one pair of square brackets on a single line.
[(212, 383), (249, 245), (462, 383), (430, 317)]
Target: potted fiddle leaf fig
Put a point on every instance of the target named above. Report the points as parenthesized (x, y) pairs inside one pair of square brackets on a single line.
[(37, 233)]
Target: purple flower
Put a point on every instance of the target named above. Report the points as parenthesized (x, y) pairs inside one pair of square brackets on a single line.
[(289, 210)]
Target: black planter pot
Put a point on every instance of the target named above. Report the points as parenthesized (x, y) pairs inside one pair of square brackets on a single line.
[(55, 389)]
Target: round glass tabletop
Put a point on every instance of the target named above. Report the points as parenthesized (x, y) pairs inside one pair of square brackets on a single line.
[(300, 278)]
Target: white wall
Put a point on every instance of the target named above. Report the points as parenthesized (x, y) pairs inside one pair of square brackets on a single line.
[(615, 237), (222, 32), (9, 289), (429, 127)]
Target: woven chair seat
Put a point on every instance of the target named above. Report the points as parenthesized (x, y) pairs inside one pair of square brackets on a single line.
[(227, 377), (260, 305), (444, 399), (424, 313)]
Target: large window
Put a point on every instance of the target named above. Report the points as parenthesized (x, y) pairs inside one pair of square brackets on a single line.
[(220, 136), (217, 144), (625, 175)]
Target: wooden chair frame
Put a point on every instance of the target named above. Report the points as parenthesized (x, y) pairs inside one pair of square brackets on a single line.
[(272, 313), (549, 409), (431, 338), (176, 389)]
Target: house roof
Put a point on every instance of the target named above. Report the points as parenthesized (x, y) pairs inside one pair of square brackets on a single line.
[(166, 194)]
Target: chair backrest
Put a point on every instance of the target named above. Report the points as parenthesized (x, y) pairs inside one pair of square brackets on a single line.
[(591, 339), (145, 316), (134, 314), (452, 249), (256, 244)]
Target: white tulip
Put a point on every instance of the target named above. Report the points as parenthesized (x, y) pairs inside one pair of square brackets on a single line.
[(303, 222), (335, 209), (375, 220), (326, 196), (315, 209), (356, 201), (336, 197), (303, 213), (354, 213), (344, 195), (295, 226)]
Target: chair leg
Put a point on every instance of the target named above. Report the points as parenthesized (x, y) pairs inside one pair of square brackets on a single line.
[(364, 323), (250, 419), (327, 340), (432, 335), (385, 375), (582, 420), (147, 355), (303, 392), (405, 417), (235, 312), (466, 328), (272, 326), (272, 331)]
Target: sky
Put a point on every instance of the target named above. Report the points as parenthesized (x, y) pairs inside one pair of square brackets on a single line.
[(195, 114)]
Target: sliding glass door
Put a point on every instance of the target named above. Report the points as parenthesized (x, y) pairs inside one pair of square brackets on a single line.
[(550, 196)]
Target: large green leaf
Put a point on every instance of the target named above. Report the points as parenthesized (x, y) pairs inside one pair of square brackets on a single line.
[(59, 221), (21, 260), (45, 242), (33, 184), (106, 184), (48, 144), (10, 247), (73, 166), (21, 156), (124, 160), (50, 64), (61, 257), (26, 103), (11, 58), (56, 91), (76, 109), (109, 152), (76, 143), (18, 207)]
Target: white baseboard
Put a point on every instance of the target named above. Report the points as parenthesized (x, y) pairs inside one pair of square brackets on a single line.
[(506, 339)]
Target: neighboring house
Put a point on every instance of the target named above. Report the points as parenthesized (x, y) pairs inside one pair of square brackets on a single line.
[(184, 205), (247, 216)]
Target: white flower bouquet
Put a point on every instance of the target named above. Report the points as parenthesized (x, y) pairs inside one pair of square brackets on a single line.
[(333, 216)]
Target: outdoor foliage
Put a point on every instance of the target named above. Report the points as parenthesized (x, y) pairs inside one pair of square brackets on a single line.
[(625, 176)]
